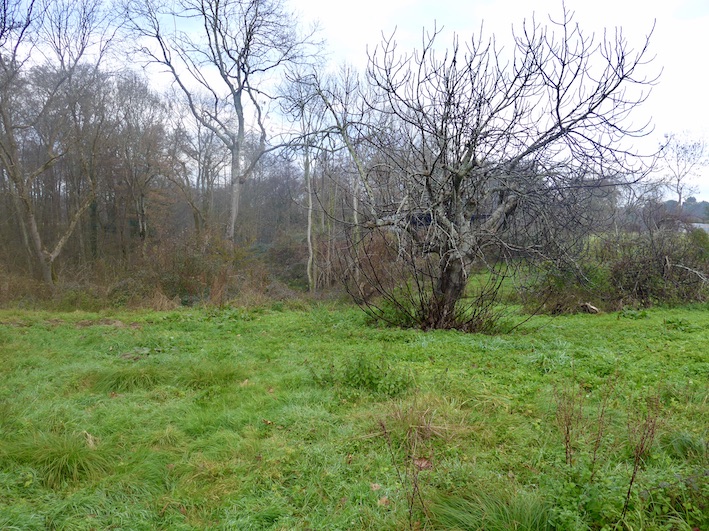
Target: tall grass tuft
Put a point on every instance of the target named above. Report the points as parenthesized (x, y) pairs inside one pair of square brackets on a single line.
[(686, 446), (126, 379), (209, 374), (63, 458), (495, 510)]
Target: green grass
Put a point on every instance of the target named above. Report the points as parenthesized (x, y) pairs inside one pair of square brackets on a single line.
[(312, 419)]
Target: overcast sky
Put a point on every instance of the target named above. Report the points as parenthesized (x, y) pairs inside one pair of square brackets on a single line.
[(680, 41)]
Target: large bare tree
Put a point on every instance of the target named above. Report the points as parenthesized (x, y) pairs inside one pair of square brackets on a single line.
[(225, 56), (479, 152)]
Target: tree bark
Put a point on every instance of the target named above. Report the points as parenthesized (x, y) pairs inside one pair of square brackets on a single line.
[(449, 289), (235, 192), (93, 229), (21, 223)]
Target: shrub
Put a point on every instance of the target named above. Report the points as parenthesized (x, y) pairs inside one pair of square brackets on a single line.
[(554, 288), (699, 243), (635, 270)]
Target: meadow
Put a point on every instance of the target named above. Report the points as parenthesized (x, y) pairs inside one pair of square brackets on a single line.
[(307, 416)]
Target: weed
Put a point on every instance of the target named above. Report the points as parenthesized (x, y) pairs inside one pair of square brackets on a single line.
[(365, 372), (570, 417), (375, 374), (414, 462), (680, 325), (629, 313), (641, 435), (602, 423)]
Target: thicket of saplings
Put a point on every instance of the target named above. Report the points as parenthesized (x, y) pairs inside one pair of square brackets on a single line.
[(180, 271), (615, 271)]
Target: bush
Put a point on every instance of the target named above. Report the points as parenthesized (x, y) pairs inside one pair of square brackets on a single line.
[(414, 304), (662, 267), (699, 243), (630, 270), (558, 289)]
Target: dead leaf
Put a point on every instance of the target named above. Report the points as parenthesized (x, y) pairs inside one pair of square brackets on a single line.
[(375, 486), (267, 422), (423, 463), (349, 459), (270, 390), (244, 383), (383, 501), (90, 440)]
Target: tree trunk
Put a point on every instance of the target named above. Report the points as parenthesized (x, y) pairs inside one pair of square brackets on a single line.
[(21, 222), (93, 229), (197, 218), (44, 259), (235, 193), (142, 223), (311, 254), (450, 288)]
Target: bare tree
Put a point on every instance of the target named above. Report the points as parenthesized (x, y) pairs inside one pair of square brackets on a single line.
[(306, 108), (201, 158), (143, 143), (479, 153), (682, 159), (231, 51)]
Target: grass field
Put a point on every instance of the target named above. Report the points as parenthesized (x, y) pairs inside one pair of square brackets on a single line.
[(311, 418)]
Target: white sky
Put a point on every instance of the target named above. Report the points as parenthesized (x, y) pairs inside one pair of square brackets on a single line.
[(680, 43)]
